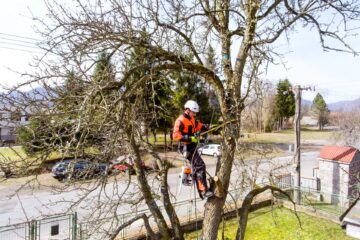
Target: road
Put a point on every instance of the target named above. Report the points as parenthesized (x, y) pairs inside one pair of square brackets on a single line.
[(29, 203)]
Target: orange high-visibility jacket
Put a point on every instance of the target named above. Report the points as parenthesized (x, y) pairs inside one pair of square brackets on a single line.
[(186, 126)]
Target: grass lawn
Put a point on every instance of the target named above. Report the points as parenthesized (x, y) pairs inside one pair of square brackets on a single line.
[(12, 154), (282, 224), (17, 153), (287, 136), (262, 153), (17, 159)]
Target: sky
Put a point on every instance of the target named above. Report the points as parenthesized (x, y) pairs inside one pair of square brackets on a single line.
[(335, 75)]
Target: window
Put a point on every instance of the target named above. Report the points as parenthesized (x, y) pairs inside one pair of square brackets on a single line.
[(54, 230)]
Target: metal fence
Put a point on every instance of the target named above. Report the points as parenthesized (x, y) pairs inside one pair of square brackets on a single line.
[(332, 204), (313, 197), (287, 181), (188, 211), (66, 227), (16, 231), (61, 227)]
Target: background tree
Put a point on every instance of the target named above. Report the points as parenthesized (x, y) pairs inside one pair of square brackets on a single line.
[(190, 86), (259, 108), (284, 103), (348, 123), (320, 111), (40, 134)]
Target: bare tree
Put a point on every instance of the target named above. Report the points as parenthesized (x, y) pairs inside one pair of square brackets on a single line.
[(348, 123), (259, 106), (110, 111)]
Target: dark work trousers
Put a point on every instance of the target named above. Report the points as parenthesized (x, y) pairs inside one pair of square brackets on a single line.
[(198, 166)]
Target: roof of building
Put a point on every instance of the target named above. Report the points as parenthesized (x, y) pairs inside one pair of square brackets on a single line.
[(337, 153)]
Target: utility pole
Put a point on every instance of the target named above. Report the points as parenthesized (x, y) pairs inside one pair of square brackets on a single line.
[(297, 157)]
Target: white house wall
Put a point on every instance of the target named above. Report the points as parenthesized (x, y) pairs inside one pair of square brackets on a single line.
[(8, 126), (334, 180)]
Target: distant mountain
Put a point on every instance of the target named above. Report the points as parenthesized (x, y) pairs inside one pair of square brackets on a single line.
[(342, 106), (305, 102), (345, 106)]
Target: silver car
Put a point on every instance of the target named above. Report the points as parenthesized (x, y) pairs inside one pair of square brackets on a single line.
[(210, 149)]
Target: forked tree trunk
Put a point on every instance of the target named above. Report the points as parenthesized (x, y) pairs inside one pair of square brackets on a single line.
[(177, 233), (146, 189)]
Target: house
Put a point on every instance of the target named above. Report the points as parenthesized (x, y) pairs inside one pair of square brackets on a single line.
[(8, 124), (338, 170), (351, 220)]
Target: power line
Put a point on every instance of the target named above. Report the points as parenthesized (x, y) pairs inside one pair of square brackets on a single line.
[(17, 44), (18, 36), (23, 50), (10, 41), (15, 40)]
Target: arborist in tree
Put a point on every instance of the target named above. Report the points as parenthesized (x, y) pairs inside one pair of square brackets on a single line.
[(187, 130)]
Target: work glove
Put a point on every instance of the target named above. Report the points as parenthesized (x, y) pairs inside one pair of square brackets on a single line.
[(194, 139)]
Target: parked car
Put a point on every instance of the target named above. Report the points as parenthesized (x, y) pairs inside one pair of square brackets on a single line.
[(81, 169), (59, 170), (78, 169), (210, 149), (125, 164), (101, 169)]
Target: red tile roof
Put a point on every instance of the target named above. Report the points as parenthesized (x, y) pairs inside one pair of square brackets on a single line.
[(336, 153)]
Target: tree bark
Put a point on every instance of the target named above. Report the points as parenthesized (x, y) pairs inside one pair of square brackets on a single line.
[(177, 232), (145, 188), (213, 216)]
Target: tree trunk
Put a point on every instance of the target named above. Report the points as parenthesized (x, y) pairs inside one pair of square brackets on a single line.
[(154, 134), (171, 139), (146, 189), (177, 232), (147, 135), (175, 222), (213, 206), (246, 207)]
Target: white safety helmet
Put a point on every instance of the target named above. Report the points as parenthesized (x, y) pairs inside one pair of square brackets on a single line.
[(192, 105)]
